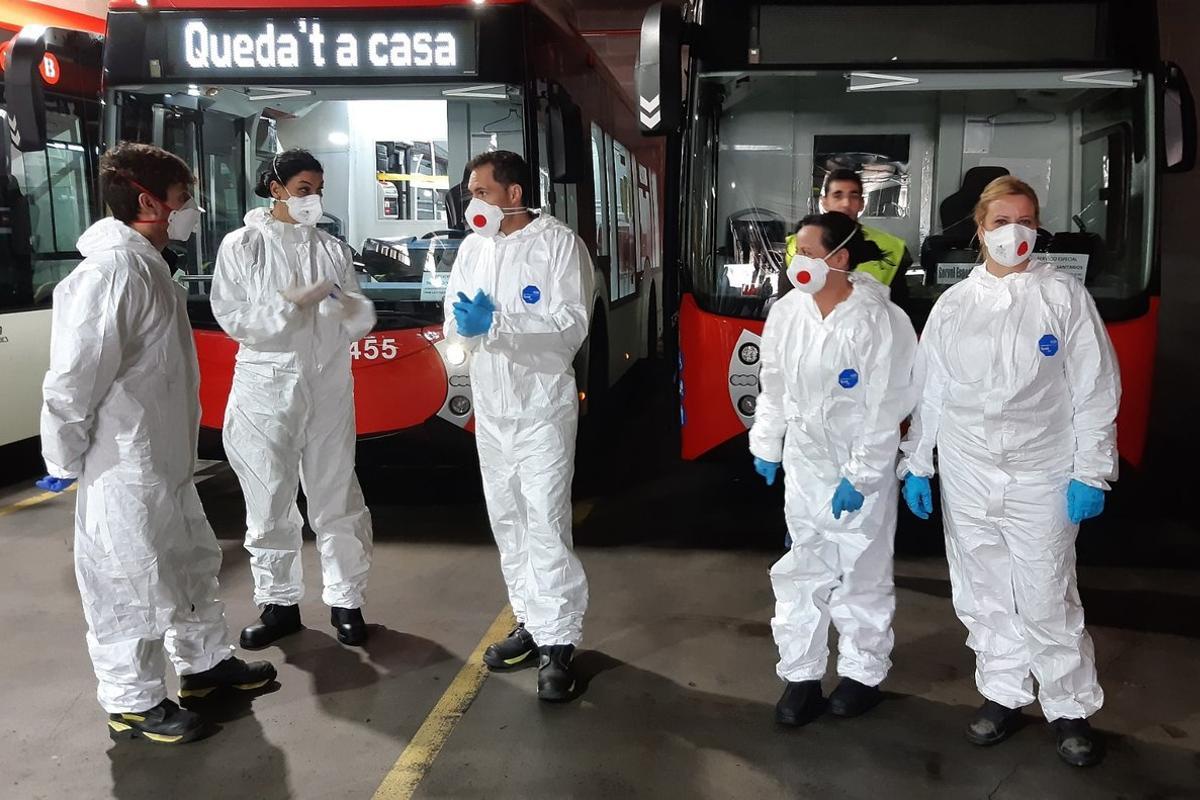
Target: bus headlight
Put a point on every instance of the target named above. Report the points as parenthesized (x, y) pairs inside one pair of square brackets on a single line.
[(456, 354)]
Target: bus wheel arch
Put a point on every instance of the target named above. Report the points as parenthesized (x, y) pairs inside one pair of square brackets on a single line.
[(595, 362)]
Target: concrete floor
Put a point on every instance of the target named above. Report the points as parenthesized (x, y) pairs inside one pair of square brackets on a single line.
[(677, 666)]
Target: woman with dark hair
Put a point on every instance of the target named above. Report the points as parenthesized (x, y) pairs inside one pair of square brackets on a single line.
[(837, 360), (286, 292)]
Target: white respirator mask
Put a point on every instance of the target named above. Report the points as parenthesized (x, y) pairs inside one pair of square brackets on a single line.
[(1011, 244), (485, 218), (809, 274)]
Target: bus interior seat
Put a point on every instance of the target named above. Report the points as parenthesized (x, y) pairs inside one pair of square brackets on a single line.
[(456, 198), (957, 210)]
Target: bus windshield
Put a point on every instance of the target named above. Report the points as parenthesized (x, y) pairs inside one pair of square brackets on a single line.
[(924, 146), (393, 158)]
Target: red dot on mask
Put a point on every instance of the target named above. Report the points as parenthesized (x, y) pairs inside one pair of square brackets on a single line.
[(1022, 248), (480, 221), (803, 276)]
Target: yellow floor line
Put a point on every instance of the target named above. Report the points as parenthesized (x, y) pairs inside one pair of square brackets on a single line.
[(32, 501), (413, 764)]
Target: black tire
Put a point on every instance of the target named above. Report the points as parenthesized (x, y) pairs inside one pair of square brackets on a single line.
[(652, 328)]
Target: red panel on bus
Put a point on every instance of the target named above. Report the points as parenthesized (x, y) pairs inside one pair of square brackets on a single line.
[(327, 5), (1136, 342), (706, 342), (390, 393)]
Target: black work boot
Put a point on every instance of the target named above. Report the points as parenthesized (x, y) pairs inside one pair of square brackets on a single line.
[(852, 698), (1078, 744), (349, 623), (274, 623), (166, 723), (232, 673), (800, 703), (992, 724), (556, 680), (516, 651)]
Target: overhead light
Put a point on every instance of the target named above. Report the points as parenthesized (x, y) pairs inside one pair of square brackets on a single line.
[(143, 3), (339, 139), (479, 2)]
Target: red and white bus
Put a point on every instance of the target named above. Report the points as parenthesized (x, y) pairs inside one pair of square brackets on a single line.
[(928, 101), (50, 57), (395, 97)]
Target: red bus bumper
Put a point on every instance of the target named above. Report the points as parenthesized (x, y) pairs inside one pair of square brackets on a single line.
[(401, 380)]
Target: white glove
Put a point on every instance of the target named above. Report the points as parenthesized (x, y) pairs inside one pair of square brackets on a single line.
[(306, 296), (334, 305)]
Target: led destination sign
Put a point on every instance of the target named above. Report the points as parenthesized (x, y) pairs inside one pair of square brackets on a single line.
[(316, 47)]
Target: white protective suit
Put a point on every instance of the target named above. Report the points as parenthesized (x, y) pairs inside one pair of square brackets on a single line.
[(834, 392), (122, 413), (527, 410), (290, 416), (1019, 393)]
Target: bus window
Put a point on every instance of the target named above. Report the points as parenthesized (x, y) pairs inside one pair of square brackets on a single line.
[(645, 242), (53, 194), (600, 189), (622, 276)]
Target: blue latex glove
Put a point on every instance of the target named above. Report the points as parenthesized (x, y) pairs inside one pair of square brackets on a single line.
[(768, 469), (473, 317), (1083, 501), (918, 493), (51, 484), (846, 499)]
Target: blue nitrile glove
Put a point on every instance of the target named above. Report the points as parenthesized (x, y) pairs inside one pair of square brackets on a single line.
[(846, 499), (52, 484), (768, 469), (473, 317), (1083, 501), (918, 493)]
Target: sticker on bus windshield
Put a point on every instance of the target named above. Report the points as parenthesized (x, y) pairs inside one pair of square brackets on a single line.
[(433, 286), (1074, 264), (948, 274)]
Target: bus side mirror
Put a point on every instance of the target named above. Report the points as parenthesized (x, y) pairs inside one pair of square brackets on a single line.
[(1179, 121), (566, 141), (24, 93), (657, 73)]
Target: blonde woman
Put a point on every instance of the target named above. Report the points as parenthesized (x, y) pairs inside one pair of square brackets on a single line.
[(1019, 395)]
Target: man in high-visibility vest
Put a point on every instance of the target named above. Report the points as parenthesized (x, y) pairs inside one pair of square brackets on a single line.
[(843, 192)]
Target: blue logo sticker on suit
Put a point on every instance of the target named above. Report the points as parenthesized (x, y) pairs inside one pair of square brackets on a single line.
[(848, 379), (1048, 344), (531, 294)]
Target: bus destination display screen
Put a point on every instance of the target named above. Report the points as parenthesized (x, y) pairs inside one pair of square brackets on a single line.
[(241, 48)]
